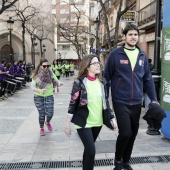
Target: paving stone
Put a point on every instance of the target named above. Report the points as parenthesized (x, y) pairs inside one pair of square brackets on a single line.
[(21, 142), (10, 125)]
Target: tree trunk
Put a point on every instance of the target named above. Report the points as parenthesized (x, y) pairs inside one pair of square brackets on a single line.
[(119, 14), (106, 24), (41, 52), (23, 40)]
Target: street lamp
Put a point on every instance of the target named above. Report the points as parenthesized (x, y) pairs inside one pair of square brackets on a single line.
[(96, 23), (59, 54), (44, 50), (33, 39), (96, 26), (10, 24), (85, 42)]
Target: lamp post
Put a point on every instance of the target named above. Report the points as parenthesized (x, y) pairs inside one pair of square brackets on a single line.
[(10, 24), (33, 39), (85, 42), (96, 24), (157, 72), (59, 54), (44, 50)]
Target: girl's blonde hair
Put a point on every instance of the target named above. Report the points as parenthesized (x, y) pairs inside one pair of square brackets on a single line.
[(85, 63), (42, 60)]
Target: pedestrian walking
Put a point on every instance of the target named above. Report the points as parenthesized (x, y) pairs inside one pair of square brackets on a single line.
[(67, 69), (43, 82), (55, 70), (128, 70), (86, 107), (3, 74)]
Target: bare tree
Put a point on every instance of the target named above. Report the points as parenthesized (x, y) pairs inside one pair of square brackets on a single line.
[(75, 33), (40, 28), (5, 4), (24, 14), (119, 14), (106, 22)]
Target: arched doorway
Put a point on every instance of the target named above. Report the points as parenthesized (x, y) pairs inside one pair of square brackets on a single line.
[(5, 52)]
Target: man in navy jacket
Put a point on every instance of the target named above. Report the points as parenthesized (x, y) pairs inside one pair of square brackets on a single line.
[(127, 71)]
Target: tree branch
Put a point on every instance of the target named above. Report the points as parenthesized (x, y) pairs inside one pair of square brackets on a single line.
[(4, 7)]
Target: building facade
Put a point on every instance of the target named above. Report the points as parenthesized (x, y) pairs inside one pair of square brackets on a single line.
[(43, 10), (72, 27)]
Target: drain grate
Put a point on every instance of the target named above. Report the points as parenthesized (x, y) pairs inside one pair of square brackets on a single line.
[(59, 164), (104, 162), (27, 165), (167, 158), (148, 159), (78, 163), (2, 165)]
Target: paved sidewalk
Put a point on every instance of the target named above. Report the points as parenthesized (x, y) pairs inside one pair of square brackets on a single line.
[(20, 140)]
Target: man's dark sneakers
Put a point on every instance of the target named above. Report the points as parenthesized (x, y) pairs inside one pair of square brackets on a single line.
[(127, 166), (118, 166)]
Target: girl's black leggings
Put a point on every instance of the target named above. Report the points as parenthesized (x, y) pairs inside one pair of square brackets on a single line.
[(88, 137)]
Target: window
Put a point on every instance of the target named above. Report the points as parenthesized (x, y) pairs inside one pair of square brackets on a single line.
[(65, 47), (53, 2), (53, 11), (64, 11), (92, 10)]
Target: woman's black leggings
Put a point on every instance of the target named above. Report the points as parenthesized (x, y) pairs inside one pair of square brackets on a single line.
[(88, 137)]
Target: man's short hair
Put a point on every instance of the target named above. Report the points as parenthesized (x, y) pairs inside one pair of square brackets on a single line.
[(130, 27)]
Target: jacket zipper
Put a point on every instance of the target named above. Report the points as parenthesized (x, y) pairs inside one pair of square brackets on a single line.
[(117, 84), (132, 74), (133, 79)]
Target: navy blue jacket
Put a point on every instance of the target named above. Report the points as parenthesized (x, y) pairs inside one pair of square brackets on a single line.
[(127, 85)]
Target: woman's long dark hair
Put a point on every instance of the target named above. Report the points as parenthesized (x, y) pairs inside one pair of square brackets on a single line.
[(42, 60)]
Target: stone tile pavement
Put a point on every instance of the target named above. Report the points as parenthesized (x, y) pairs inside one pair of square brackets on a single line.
[(20, 140)]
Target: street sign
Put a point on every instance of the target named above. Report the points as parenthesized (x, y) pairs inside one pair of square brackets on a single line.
[(129, 16)]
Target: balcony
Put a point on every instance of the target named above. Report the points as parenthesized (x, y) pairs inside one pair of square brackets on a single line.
[(147, 16)]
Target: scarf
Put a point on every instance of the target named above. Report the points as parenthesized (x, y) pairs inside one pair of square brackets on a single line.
[(91, 78), (44, 79)]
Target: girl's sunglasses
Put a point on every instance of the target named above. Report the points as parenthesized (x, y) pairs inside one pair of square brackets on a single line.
[(44, 66)]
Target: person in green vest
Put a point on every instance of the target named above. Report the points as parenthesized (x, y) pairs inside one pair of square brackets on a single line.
[(71, 69), (55, 70), (63, 69), (59, 67), (67, 69)]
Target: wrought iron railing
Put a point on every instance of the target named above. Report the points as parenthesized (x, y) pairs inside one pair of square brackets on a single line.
[(147, 13)]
